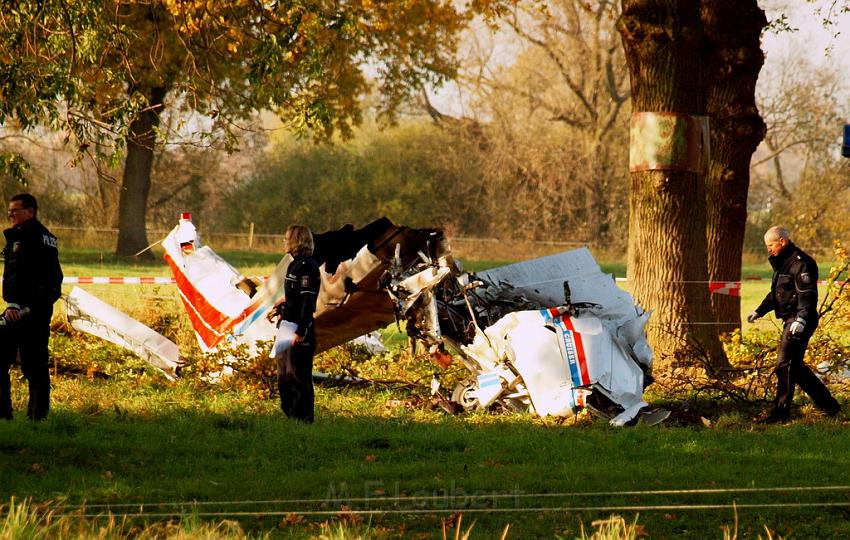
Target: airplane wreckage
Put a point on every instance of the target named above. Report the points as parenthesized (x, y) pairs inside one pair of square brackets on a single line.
[(553, 335)]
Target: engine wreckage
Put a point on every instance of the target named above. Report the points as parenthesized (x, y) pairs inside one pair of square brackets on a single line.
[(553, 335)]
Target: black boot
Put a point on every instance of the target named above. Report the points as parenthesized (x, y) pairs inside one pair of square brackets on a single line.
[(776, 416), (832, 410)]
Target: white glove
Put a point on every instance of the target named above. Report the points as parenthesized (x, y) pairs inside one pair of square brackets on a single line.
[(751, 318), (797, 327)]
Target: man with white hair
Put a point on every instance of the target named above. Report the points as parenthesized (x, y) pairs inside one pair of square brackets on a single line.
[(793, 297)]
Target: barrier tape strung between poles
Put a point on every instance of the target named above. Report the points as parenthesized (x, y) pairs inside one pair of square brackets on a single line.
[(729, 288), (118, 280)]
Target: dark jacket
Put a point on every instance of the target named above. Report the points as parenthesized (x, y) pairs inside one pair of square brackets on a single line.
[(794, 289), (32, 276), (301, 290)]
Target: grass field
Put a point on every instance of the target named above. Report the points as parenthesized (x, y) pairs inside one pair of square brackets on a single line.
[(144, 446), (382, 461)]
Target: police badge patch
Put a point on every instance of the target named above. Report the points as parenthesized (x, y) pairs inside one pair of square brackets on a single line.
[(806, 278), (305, 282), (48, 241)]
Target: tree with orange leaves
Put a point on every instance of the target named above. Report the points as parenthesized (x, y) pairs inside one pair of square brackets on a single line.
[(103, 72)]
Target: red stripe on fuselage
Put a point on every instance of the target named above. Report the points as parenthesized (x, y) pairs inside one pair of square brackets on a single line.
[(206, 319), (209, 323), (582, 359)]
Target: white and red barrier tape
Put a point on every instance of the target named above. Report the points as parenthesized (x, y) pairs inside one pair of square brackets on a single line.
[(731, 288), (118, 280)]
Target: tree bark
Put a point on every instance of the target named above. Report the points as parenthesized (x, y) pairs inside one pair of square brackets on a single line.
[(732, 31), (667, 219), (135, 186)]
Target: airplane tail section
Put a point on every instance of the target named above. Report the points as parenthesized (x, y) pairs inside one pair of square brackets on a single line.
[(351, 301), (218, 308)]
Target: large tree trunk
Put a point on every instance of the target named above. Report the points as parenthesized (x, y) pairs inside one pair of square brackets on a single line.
[(104, 208), (133, 202), (667, 222), (732, 31)]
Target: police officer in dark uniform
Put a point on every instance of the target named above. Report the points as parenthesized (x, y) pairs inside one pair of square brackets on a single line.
[(32, 282), (793, 297), (301, 290)]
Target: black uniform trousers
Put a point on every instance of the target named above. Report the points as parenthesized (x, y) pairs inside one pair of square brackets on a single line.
[(791, 370), (296, 388), (29, 336)]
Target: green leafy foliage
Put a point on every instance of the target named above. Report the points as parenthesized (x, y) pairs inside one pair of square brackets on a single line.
[(13, 168), (394, 173), (103, 72), (89, 67)]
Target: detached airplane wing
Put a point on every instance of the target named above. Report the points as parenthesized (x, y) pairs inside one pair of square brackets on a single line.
[(225, 307), (87, 313)]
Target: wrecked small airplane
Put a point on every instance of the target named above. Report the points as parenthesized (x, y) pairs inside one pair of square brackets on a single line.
[(226, 308), (552, 335)]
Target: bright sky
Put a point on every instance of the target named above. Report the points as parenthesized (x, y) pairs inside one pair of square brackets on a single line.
[(820, 45), (824, 47)]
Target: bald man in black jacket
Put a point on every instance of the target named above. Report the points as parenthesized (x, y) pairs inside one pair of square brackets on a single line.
[(793, 297)]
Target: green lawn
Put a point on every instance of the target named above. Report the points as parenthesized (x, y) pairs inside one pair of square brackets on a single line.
[(145, 442), (93, 262)]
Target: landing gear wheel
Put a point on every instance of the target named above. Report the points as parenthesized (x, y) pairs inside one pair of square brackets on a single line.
[(461, 394)]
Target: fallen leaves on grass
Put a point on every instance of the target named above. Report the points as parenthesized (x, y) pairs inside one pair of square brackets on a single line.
[(290, 519), (346, 515)]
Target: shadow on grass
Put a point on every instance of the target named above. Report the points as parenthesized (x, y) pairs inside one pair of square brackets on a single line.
[(549, 476)]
